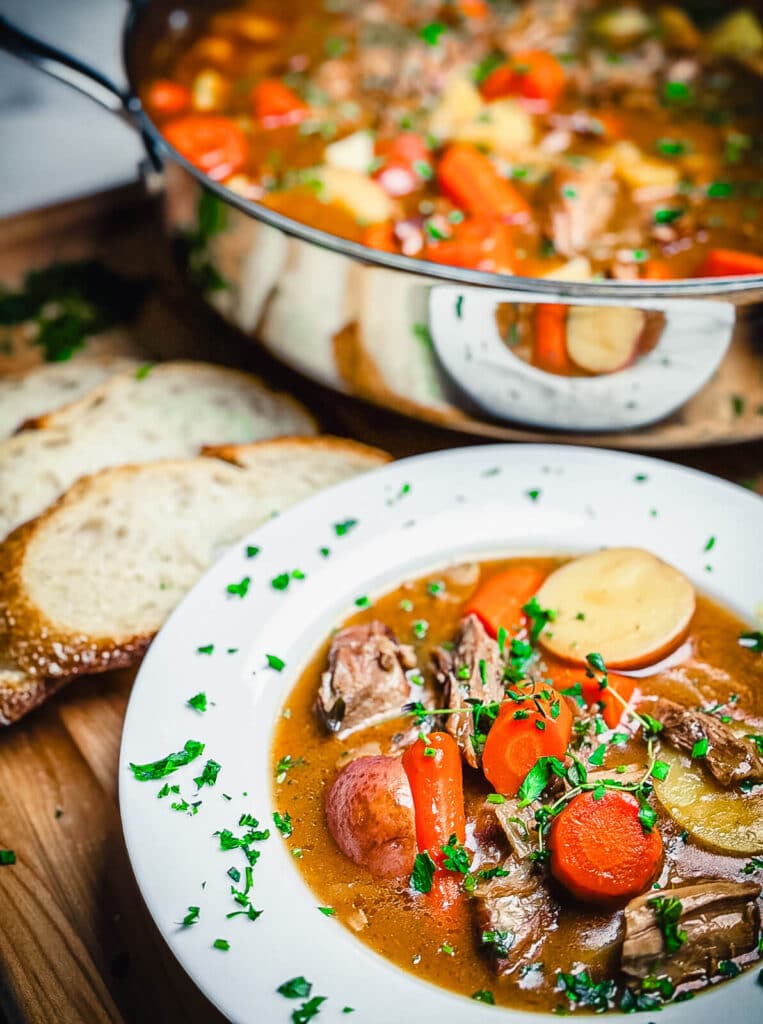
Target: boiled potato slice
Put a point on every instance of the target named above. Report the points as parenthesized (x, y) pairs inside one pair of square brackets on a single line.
[(724, 819), (357, 193), (602, 339), (622, 603), (460, 103), (353, 153), (502, 126)]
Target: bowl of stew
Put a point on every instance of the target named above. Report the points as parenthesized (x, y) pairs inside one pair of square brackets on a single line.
[(329, 166), (488, 732)]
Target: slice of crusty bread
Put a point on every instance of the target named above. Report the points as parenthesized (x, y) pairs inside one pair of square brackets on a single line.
[(86, 585), (169, 412), (25, 396)]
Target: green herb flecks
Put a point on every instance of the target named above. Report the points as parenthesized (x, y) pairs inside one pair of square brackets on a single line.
[(423, 872), (7, 857), (296, 988), (239, 589), (538, 618), (209, 774), (221, 944), (667, 913), (455, 856), (191, 917), (343, 528), (285, 765), (276, 663), (484, 995), (308, 1010), (581, 990), (166, 765), (283, 823), (198, 702), (753, 640)]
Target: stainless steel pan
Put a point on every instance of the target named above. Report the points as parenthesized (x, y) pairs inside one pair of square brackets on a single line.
[(417, 336)]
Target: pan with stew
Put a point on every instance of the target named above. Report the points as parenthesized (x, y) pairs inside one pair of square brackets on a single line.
[(537, 782), (581, 169)]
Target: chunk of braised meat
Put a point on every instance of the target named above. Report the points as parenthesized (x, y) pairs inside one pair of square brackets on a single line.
[(473, 670), (581, 203), (365, 680), (730, 758), (514, 912), (717, 921)]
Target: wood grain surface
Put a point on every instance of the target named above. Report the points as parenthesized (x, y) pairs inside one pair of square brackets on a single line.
[(76, 942)]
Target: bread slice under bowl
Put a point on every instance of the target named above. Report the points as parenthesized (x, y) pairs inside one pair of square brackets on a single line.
[(86, 586), (137, 417)]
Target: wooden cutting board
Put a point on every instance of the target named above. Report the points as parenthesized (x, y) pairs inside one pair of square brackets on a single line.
[(76, 942)]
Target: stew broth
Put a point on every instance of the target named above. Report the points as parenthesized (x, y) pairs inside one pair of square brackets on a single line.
[(433, 935)]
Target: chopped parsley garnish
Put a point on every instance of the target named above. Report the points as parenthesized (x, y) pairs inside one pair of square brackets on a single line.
[(281, 581), (582, 990), (363, 601), (274, 662), (501, 941), (222, 944), (538, 778), (431, 33), (728, 968), (209, 774), (207, 649), (252, 552), (737, 405), (538, 617), (756, 864), (677, 92), (420, 628), (340, 529), (191, 917), (484, 995), (597, 757), (166, 765), (667, 912), (7, 857), (327, 911), (283, 823), (672, 147), (700, 748), (285, 765), (495, 798), (534, 494), (198, 702), (308, 1010), (666, 215), (423, 872), (324, 552), (296, 988), (455, 856), (752, 640), (660, 770), (239, 589)]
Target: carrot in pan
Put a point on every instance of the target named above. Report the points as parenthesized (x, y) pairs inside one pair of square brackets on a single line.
[(471, 181), (167, 99), (565, 678), (550, 338), (533, 74), (500, 599), (276, 105), (214, 144), (730, 263), (525, 731), (433, 767)]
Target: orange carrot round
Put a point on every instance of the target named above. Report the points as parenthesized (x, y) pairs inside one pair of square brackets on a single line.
[(565, 677), (167, 99), (499, 600), (276, 105), (470, 179), (380, 236), (214, 144), (599, 849), (524, 732), (476, 245), (433, 767), (534, 74), (550, 339)]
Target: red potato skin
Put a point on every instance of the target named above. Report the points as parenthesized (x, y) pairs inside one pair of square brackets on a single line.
[(369, 811)]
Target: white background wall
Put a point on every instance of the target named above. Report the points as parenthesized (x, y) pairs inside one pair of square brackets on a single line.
[(55, 144)]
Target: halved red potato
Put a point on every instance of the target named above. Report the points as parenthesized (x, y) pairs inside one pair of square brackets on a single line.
[(602, 339), (369, 810), (622, 603)]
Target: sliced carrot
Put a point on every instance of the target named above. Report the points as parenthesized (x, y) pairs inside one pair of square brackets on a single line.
[(599, 849), (407, 163), (613, 126), (499, 600), (534, 74), (380, 236), (550, 340), (564, 677), (476, 245), (167, 99), (276, 105), (658, 270), (473, 183), (438, 792), (524, 732), (214, 144), (730, 263), (406, 148)]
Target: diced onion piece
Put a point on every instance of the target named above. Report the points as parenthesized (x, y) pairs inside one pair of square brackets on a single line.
[(603, 339), (622, 26), (353, 153), (723, 819), (210, 90), (357, 193), (622, 603)]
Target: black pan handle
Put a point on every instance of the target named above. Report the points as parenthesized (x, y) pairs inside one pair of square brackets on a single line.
[(80, 76)]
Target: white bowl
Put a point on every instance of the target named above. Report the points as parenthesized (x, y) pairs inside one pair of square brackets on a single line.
[(470, 502)]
